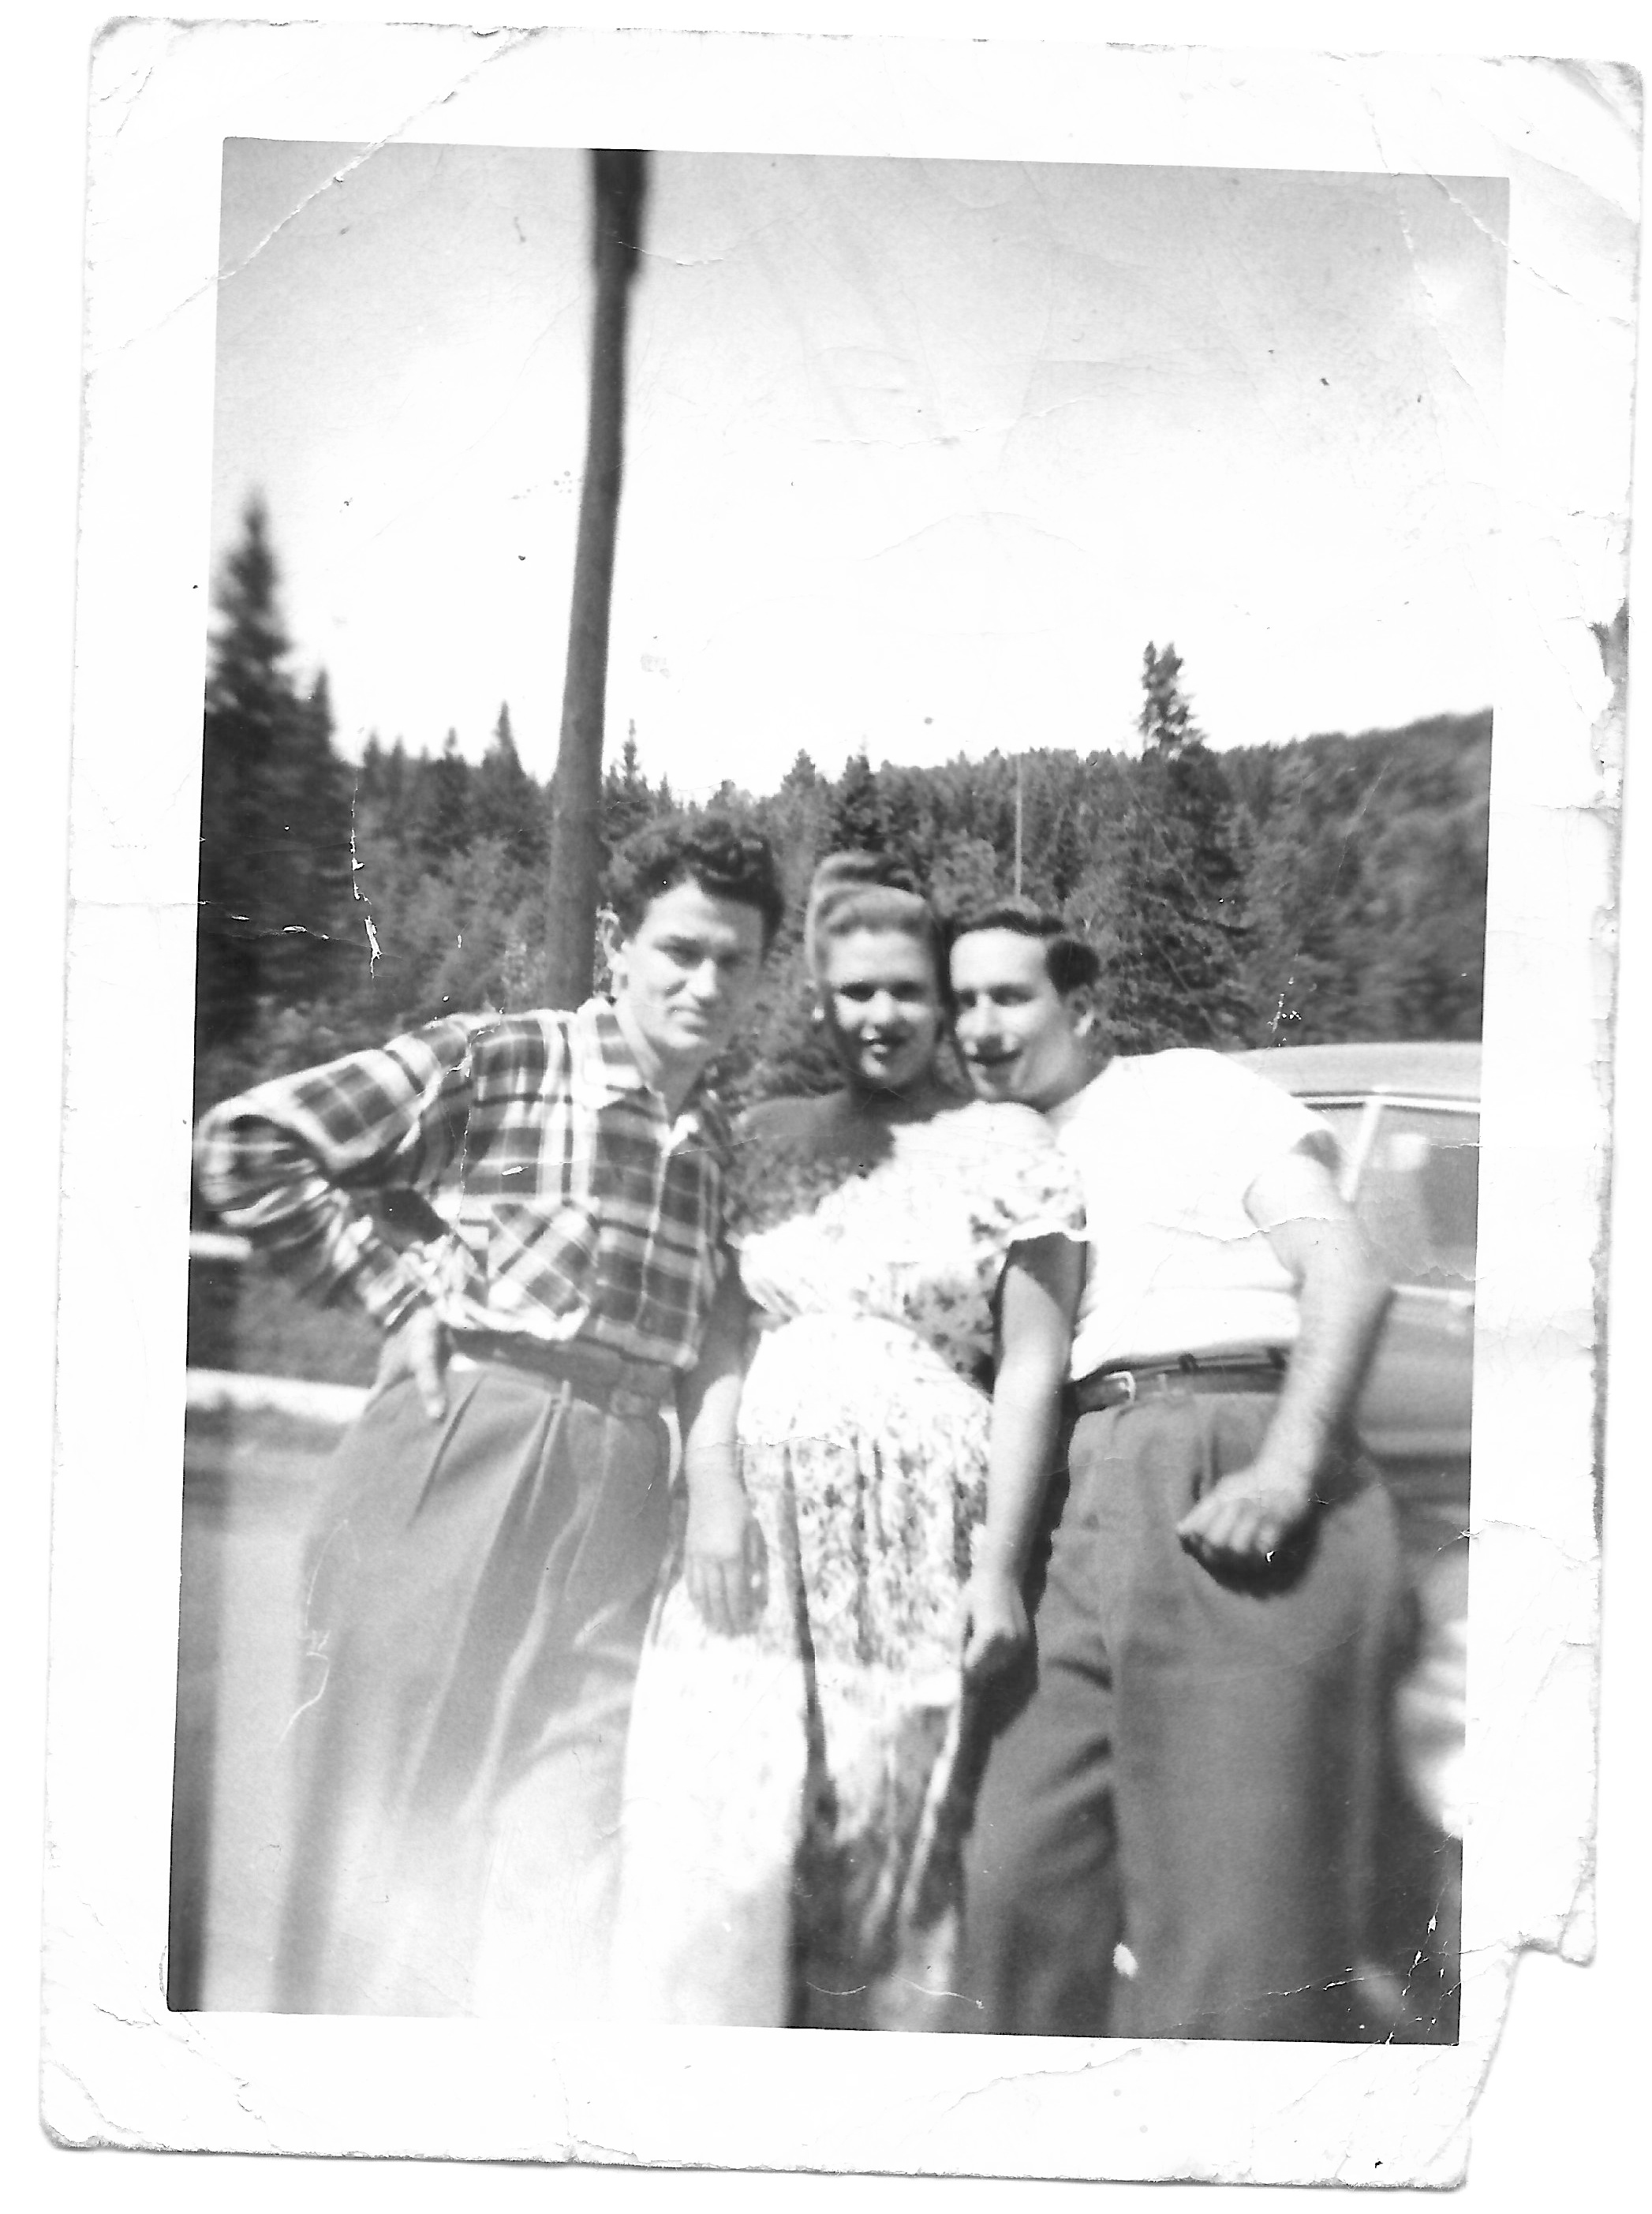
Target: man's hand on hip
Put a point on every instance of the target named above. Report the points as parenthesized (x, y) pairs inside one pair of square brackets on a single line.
[(1245, 1519), (418, 1347)]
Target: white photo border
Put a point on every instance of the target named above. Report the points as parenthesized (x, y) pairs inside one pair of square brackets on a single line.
[(119, 2069)]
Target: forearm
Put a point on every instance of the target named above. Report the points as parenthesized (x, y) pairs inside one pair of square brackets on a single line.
[(1341, 1302), (724, 1555), (1025, 1427), (261, 1182), (1037, 1298), (288, 1163), (709, 1403)]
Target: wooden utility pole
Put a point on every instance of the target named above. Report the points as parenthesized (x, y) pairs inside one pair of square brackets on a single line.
[(620, 185), (1019, 760)]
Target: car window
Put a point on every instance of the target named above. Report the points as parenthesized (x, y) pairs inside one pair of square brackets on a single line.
[(1344, 1116), (1419, 1192)]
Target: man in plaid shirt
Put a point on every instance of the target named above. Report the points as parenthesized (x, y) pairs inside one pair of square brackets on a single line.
[(486, 1556)]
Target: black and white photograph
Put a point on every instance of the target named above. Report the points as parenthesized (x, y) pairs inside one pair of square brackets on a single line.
[(951, 446), (871, 810)]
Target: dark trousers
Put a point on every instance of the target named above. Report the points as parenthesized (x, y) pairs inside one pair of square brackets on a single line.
[(478, 1594), (1186, 1764)]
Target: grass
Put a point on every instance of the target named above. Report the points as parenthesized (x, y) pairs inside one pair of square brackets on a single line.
[(242, 1316)]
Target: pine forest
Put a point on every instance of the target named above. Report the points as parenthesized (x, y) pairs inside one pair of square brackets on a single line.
[(1326, 888)]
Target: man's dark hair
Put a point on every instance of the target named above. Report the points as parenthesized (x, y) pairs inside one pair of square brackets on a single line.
[(727, 859), (1073, 965)]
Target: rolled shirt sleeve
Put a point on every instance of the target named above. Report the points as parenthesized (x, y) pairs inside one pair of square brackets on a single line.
[(289, 1163)]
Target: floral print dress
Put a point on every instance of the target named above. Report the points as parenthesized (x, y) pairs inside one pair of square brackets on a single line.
[(783, 1786)]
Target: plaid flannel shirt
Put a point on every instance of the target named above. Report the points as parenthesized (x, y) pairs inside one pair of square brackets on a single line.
[(580, 1210)]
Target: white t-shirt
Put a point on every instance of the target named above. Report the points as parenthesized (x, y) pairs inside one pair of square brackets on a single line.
[(1167, 1145)]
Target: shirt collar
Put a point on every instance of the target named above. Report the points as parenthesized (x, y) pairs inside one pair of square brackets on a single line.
[(609, 1067), (605, 1063)]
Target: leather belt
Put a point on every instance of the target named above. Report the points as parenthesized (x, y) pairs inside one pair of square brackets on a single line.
[(1262, 1370), (591, 1375)]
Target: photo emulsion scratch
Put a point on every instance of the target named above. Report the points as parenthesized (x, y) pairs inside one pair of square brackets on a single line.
[(873, 830)]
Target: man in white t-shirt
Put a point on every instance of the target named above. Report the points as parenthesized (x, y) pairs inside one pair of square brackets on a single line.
[(1181, 1777)]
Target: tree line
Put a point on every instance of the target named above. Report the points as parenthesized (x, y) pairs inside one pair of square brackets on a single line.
[(1330, 888)]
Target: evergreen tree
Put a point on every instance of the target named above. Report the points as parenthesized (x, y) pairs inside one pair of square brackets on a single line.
[(627, 803), (1308, 952), (441, 803), (859, 821), (396, 777), (1432, 969), (909, 836), (966, 873), (1066, 851), (794, 820), (371, 772), (1177, 907), (1108, 833), (1345, 875), (1165, 723), (1368, 880), (381, 792), (274, 886), (505, 805), (248, 701), (308, 801)]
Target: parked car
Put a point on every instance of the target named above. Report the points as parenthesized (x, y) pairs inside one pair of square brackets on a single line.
[(1407, 1119)]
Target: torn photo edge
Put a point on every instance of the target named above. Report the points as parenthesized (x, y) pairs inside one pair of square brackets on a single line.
[(119, 2069)]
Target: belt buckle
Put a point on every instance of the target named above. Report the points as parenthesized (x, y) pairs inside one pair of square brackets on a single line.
[(1125, 1379)]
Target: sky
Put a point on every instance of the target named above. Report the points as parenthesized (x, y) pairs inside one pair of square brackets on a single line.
[(920, 454)]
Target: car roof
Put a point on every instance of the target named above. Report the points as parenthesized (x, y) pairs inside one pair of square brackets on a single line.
[(1434, 1069)]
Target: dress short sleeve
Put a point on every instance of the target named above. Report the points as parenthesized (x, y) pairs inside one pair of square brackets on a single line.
[(1021, 1184)]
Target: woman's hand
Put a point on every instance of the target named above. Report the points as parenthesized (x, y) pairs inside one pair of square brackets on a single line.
[(726, 1560), (995, 1627)]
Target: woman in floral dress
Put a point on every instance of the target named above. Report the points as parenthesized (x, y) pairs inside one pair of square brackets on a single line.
[(859, 1514)]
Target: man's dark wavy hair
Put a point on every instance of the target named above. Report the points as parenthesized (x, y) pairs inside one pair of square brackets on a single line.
[(727, 859), (1073, 965)]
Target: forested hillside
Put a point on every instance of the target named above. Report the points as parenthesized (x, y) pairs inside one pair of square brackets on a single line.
[(1326, 888)]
